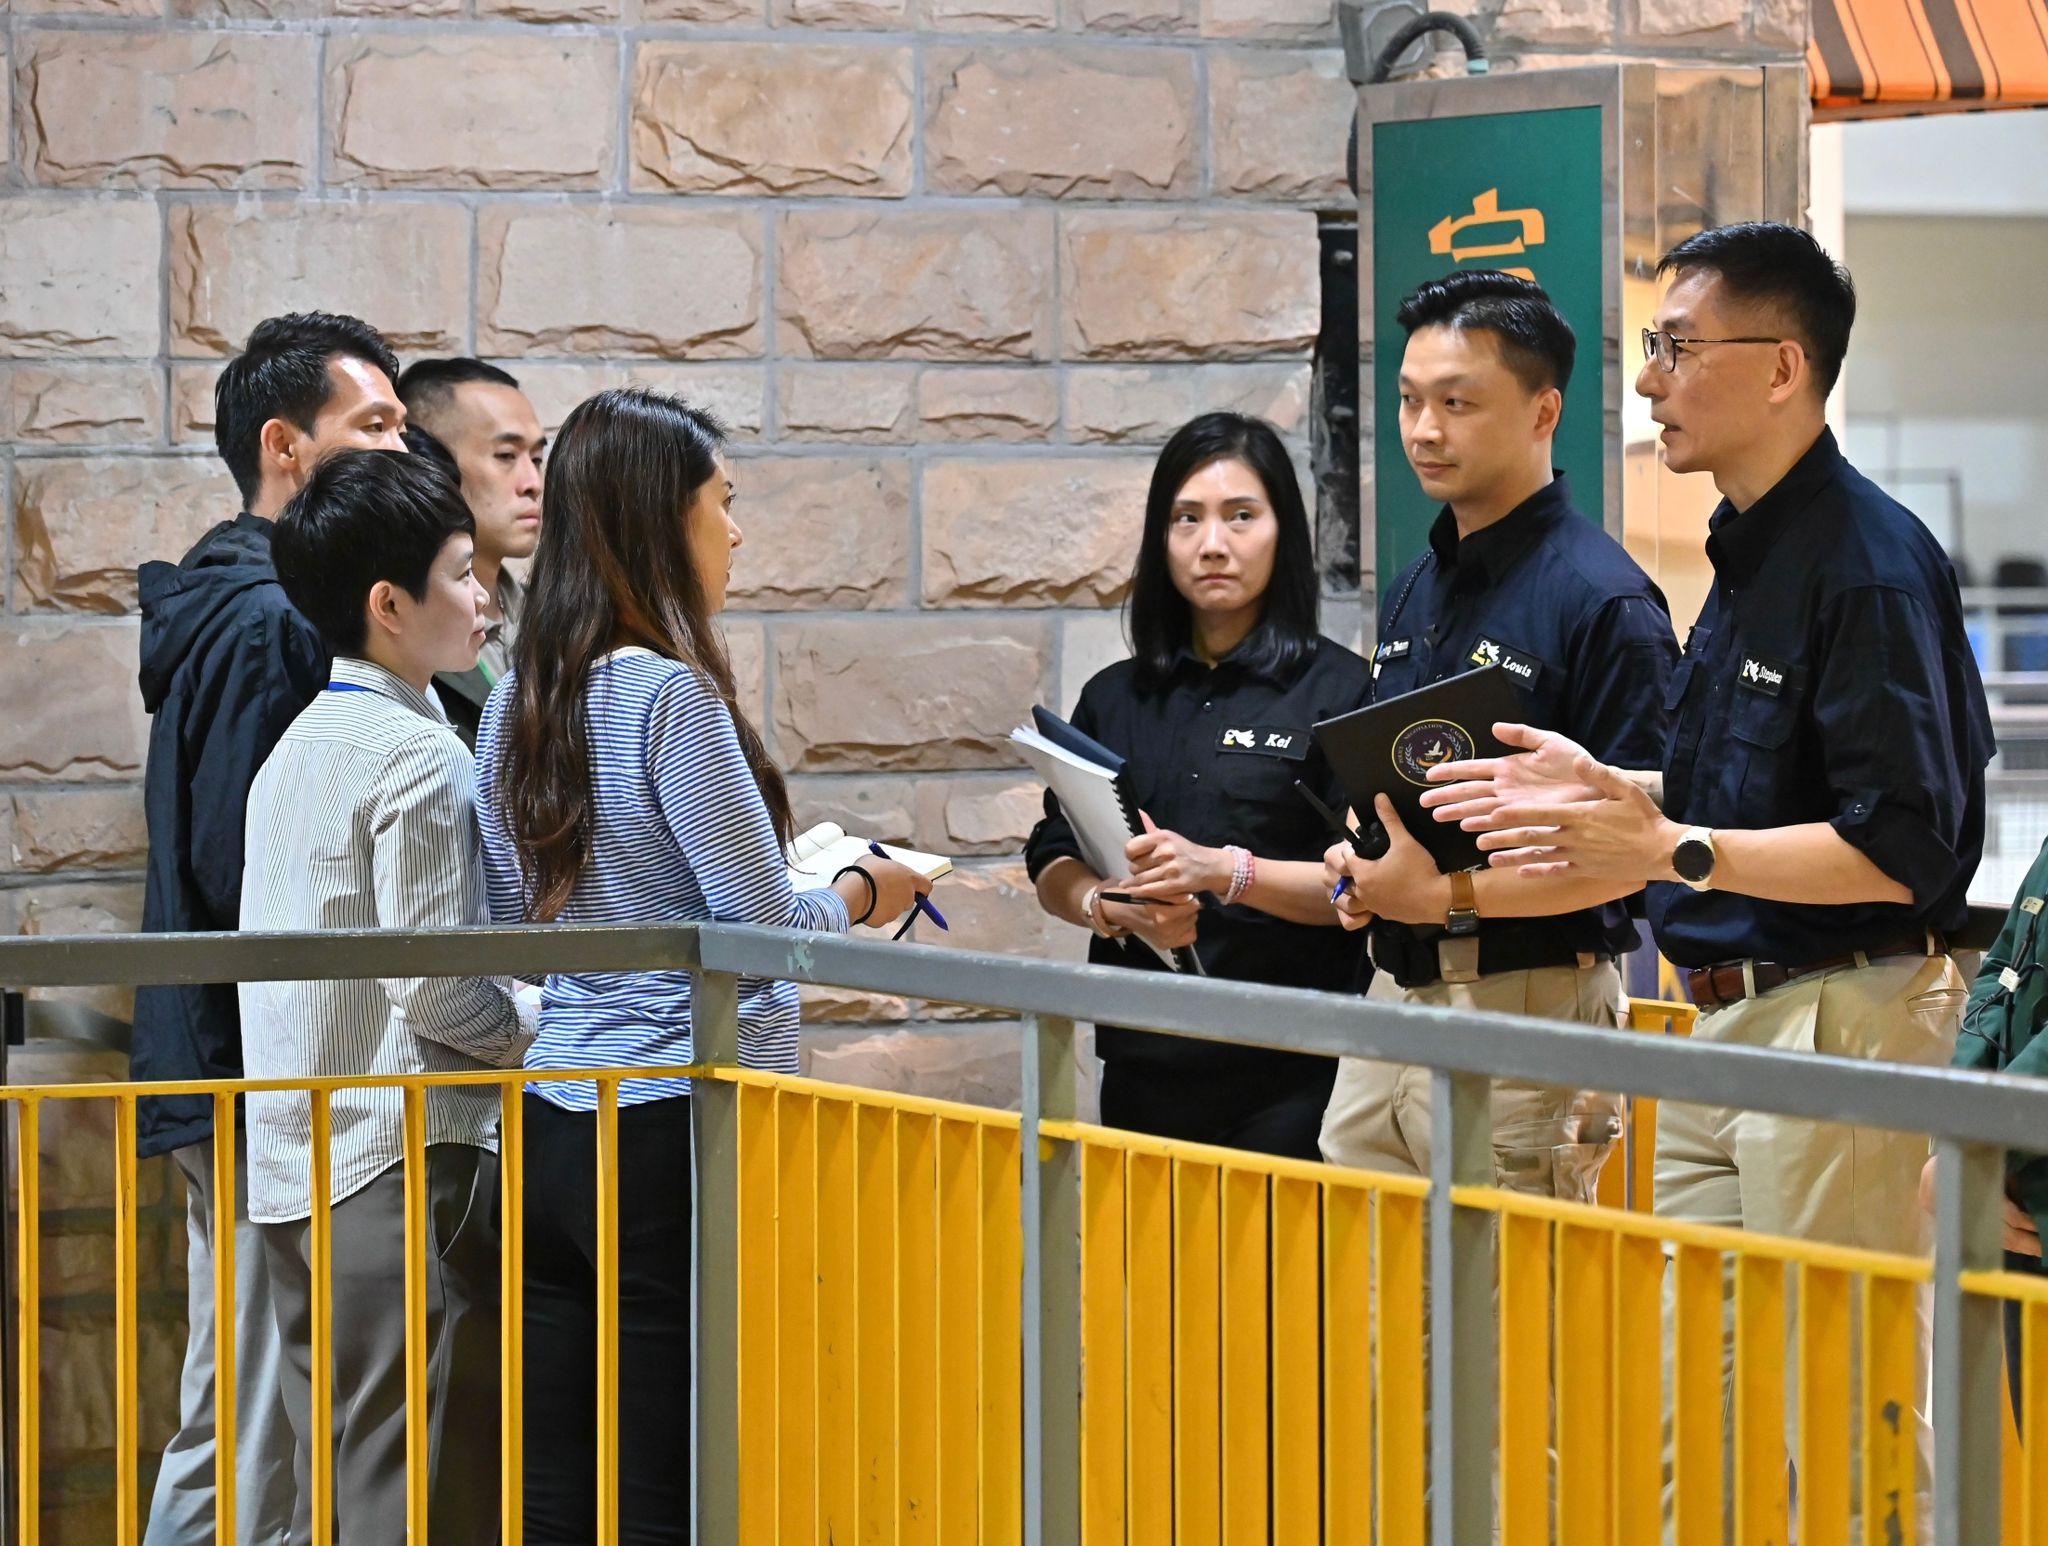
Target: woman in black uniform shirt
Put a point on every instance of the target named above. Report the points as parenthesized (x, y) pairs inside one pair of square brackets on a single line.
[(1213, 712)]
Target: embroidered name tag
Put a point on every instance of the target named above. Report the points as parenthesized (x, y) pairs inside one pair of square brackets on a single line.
[(1523, 668), (1760, 675), (1265, 741)]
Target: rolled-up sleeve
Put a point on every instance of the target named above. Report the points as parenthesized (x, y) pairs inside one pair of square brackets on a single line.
[(1888, 739)]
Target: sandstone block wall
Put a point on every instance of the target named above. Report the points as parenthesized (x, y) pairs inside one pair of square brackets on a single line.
[(952, 269)]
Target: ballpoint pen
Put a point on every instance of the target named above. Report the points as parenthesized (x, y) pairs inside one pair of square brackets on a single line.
[(923, 903)]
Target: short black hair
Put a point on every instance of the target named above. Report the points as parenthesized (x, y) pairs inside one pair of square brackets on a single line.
[(1783, 269), (281, 373), (424, 442), (428, 386), (1536, 342), (1161, 621), (364, 516)]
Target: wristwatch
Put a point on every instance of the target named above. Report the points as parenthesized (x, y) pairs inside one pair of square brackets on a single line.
[(1457, 950), (1693, 858), (1463, 918)]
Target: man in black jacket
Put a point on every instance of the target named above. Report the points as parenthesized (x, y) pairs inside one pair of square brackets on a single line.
[(227, 664)]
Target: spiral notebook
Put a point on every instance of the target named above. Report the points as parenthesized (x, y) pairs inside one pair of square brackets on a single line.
[(1095, 797)]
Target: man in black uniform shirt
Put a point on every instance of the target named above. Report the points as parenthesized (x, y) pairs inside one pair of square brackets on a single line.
[(1515, 576), (1822, 793)]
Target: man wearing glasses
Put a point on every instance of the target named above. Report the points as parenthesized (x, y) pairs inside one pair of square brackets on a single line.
[(1820, 811)]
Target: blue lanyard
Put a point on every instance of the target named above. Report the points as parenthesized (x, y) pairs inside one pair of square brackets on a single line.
[(348, 687)]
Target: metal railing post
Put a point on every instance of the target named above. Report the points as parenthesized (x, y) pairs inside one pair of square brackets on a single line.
[(714, 1171), (1051, 1204), (1969, 1364), (1461, 1352)]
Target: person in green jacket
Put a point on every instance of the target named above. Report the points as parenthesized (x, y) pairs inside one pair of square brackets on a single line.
[(2002, 1032)]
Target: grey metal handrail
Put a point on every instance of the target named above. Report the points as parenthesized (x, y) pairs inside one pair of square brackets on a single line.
[(1974, 1117)]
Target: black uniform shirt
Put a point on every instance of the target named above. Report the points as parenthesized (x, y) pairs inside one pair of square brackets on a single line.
[(1213, 755), (1828, 679), (1584, 634)]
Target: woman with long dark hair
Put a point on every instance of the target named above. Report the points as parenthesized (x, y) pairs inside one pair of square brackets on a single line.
[(619, 781), (1213, 710)]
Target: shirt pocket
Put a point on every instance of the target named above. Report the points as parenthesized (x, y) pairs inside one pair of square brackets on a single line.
[(1762, 728)]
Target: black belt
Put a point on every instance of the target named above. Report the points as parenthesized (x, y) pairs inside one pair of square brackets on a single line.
[(1411, 960)]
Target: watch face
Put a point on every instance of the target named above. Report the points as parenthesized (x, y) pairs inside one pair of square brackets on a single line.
[(1693, 859)]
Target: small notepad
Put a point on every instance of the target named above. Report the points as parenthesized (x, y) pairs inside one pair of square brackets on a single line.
[(819, 854)]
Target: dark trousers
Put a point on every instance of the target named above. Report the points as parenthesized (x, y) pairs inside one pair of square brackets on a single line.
[(2013, 1349), (369, 1352), (1271, 1107), (561, 1324)]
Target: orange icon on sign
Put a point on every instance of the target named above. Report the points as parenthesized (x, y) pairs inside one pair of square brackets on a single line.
[(1486, 210)]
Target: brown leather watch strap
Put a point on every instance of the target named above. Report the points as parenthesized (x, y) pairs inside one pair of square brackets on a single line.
[(1464, 896)]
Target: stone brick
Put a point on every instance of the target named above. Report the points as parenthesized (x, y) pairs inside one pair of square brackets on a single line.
[(618, 279), (81, 404), (850, 15), (991, 15), (79, 907), (735, 393), (1016, 120), (710, 13), (86, 7), (232, 265), (440, 110), (78, 277), (823, 1005), (69, 709), (855, 284), (1278, 124), (881, 807), (397, 9), (1288, 20), (248, 10), (1159, 286), (1686, 19), (1555, 21), (975, 1064), (982, 404), (905, 693), (845, 402), (1088, 642), (1146, 16), (774, 118), (1031, 532), (168, 110), (821, 531), (1782, 24), (75, 829), (1145, 404), (81, 524), (192, 404), (993, 907), (977, 815), (6, 104), (544, 11), (746, 646)]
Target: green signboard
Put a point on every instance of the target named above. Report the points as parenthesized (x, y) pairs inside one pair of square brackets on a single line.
[(1514, 191)]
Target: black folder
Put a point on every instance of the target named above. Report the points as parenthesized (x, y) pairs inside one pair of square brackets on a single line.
[(1388, 748)]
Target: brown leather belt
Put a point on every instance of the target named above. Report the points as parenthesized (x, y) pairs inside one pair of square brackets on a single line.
[(1730, 982)]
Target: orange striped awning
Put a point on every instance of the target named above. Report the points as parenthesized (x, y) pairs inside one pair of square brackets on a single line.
[(1873, 57)]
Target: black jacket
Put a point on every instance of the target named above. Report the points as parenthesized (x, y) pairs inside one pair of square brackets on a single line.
[(227, 663)]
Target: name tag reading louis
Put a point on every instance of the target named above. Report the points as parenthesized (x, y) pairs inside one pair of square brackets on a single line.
[(1760, 675), (1524, 669), (1264, 741)]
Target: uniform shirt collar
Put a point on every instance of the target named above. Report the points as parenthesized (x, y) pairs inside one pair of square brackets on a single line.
[(1490, 553), (1185, 660), (1738, 541), (352, 673)]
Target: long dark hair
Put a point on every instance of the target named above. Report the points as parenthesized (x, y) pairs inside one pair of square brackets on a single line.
[(613, 568), (1160, 621)]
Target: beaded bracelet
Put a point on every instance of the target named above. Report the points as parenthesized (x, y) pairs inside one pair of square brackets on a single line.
[(1244, 872)]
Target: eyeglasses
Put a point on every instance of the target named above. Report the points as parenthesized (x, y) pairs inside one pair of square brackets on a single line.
[(1663, 347)]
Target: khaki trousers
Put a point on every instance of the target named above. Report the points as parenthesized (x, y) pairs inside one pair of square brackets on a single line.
[(1379, 1113), (1813, 1180)]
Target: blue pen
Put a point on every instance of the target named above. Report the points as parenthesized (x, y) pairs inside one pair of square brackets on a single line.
[(923, 903)]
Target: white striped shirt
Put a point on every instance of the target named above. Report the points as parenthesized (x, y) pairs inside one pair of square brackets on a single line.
[(680, 833), (361, 818)]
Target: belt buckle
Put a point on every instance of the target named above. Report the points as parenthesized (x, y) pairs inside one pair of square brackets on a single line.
[(1457, 958)]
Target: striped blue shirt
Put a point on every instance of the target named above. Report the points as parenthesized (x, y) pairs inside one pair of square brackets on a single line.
[(681, 834)]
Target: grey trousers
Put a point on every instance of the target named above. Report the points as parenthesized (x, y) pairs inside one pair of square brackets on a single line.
[(181, 1512), (369, 1352)]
